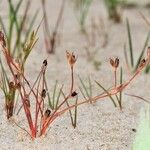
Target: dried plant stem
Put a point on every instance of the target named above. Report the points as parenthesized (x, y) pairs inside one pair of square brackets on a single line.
[(115, 77), (72, 80)]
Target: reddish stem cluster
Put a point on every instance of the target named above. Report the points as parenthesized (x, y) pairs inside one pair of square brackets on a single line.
[(44, 117)]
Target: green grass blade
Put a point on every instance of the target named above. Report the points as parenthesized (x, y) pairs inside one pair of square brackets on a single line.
[(58, 97), (130, 43), (54, 93), (48, 95), (75, 113), (120, 93), (90, 87), (84, 87), (70, 112), (147, 69), (143, 50), (3, 26), (31, 25), (82, 93), (111, 98)]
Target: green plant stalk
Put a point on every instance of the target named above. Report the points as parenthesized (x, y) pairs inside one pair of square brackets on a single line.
[(111, 98), (84, 87), (142, 52), (12, 20), (120, 93), (130, 43), (10, 98), (54, 94)]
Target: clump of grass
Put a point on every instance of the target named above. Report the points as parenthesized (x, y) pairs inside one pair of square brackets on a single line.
[(82, 8), (131, 65), (50, 37), (113, 10)]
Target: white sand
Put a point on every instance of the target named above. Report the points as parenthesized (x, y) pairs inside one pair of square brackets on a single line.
[(100, 126)]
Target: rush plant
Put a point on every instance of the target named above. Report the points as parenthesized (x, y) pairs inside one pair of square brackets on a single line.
[(33, 96)]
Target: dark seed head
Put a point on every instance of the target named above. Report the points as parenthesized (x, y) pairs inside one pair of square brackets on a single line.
[(112, 62), (74, 94), (143, 61), (43, 93), (117, 62), (45, 62), (47, 113)]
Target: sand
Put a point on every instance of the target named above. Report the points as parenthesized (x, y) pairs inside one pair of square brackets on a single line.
[(100, 126)]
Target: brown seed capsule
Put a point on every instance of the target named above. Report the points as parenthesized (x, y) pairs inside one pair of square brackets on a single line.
[(74, 94), (43, 93), (112, 62), (116, 62), (45, 62), (142, 63), (47, 113), (71, 58)]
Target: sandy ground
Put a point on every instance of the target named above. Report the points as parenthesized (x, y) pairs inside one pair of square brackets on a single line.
[(100, 126)]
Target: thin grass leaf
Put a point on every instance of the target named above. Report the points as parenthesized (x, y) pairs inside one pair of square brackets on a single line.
[(120, 93), (70, 112), (130, 42), (126, 57), (58, 97), (84, 87), (54, 93), (12, 20), (48, 95), (73, 119), (20, 29), (105, 90), (143, 50), (139, 97), (3, 27), (75, 113), (31, 25), (82, 93), (90, 87), (14, 11), (147, 69)]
